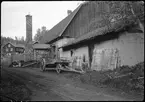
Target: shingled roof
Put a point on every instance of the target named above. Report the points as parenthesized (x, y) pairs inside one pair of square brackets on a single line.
[(58, 29)]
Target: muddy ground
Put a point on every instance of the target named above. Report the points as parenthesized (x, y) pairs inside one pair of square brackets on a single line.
[(51, 86)]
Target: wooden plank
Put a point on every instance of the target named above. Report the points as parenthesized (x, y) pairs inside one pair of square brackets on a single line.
[(122, 75), (29, 64)]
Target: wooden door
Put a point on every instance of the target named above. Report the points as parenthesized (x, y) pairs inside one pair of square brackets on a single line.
[(104, 59), (90, 51)]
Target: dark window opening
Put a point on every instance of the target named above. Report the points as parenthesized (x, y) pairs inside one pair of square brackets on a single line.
[(71, 53)]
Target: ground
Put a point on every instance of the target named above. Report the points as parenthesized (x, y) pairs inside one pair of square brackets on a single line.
[(52, 86)]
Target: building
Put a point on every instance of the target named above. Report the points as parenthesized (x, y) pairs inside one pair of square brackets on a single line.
[(85, 36), (39, 49), (13, 52), (105, 49), (10, 48)]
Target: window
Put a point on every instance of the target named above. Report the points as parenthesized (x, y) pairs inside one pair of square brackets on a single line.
[(9, 45), (71, 53), (7, 50), (11, 49), (9, 54)]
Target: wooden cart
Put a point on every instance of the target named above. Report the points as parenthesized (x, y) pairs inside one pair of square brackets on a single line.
[(50, 59)]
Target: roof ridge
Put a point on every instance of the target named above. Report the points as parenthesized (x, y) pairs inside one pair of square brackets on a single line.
[(71, 19), (59, 28)]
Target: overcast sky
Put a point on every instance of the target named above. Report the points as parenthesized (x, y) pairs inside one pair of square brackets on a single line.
[(46, 13)]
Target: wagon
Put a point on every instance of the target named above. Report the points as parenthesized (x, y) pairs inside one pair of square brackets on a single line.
[(48, 56)]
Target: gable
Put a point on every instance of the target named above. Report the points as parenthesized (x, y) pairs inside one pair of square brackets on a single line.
[(87, 19), (7, 45), (57, 30)]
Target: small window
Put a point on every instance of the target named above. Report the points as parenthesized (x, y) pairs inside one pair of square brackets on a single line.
[(71, 52), (7, 50), (11, 49), (9, 45)]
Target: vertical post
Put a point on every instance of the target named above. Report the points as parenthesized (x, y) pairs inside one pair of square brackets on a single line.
[(57, 53), (11, 58)]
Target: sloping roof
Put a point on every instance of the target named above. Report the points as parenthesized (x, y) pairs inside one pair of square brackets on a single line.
[(95, 33), (41, 46), (7, 43), (92, 34), (20, 45), (58, 29), (16, 45)]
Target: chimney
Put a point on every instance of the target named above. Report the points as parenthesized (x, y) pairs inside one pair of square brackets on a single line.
[(69, 12), (28, 28)]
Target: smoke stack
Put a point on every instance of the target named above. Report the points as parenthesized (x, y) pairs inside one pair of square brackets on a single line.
[(28, 28), (69, 12)]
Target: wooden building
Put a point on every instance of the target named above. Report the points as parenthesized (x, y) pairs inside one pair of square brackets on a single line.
[(86, 36), (10, 48)]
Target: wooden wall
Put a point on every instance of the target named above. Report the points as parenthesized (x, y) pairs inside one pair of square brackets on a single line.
[(87, 19), (8, 47)]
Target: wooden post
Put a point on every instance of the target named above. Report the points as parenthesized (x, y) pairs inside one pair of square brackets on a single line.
[(11, 57), (57, 53)]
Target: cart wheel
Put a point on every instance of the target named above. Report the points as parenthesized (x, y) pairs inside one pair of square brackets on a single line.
[(58, 68), (42, 66)]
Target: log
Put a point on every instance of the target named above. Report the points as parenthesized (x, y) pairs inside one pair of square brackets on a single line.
[(29, 64), (122, 75)]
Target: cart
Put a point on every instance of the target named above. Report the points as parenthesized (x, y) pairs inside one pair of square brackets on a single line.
[(48, 56)]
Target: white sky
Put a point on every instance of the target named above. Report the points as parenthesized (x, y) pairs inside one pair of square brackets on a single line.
[(46, 13)]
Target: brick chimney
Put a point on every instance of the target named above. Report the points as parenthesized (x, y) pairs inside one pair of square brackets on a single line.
[(28, 28), (69, 12)]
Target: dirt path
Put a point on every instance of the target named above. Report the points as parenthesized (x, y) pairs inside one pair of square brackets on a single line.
[(51, 86)]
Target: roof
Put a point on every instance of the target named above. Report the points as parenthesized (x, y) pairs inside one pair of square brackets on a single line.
[(58, 29), (16, 45), (89, 35), (20, 45), (7, 43), (95, 33), (36, 42), (41, 46)]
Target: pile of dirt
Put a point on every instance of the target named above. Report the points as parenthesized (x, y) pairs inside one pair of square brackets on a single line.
[(94, 77), (126, 78), (12, 89)]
